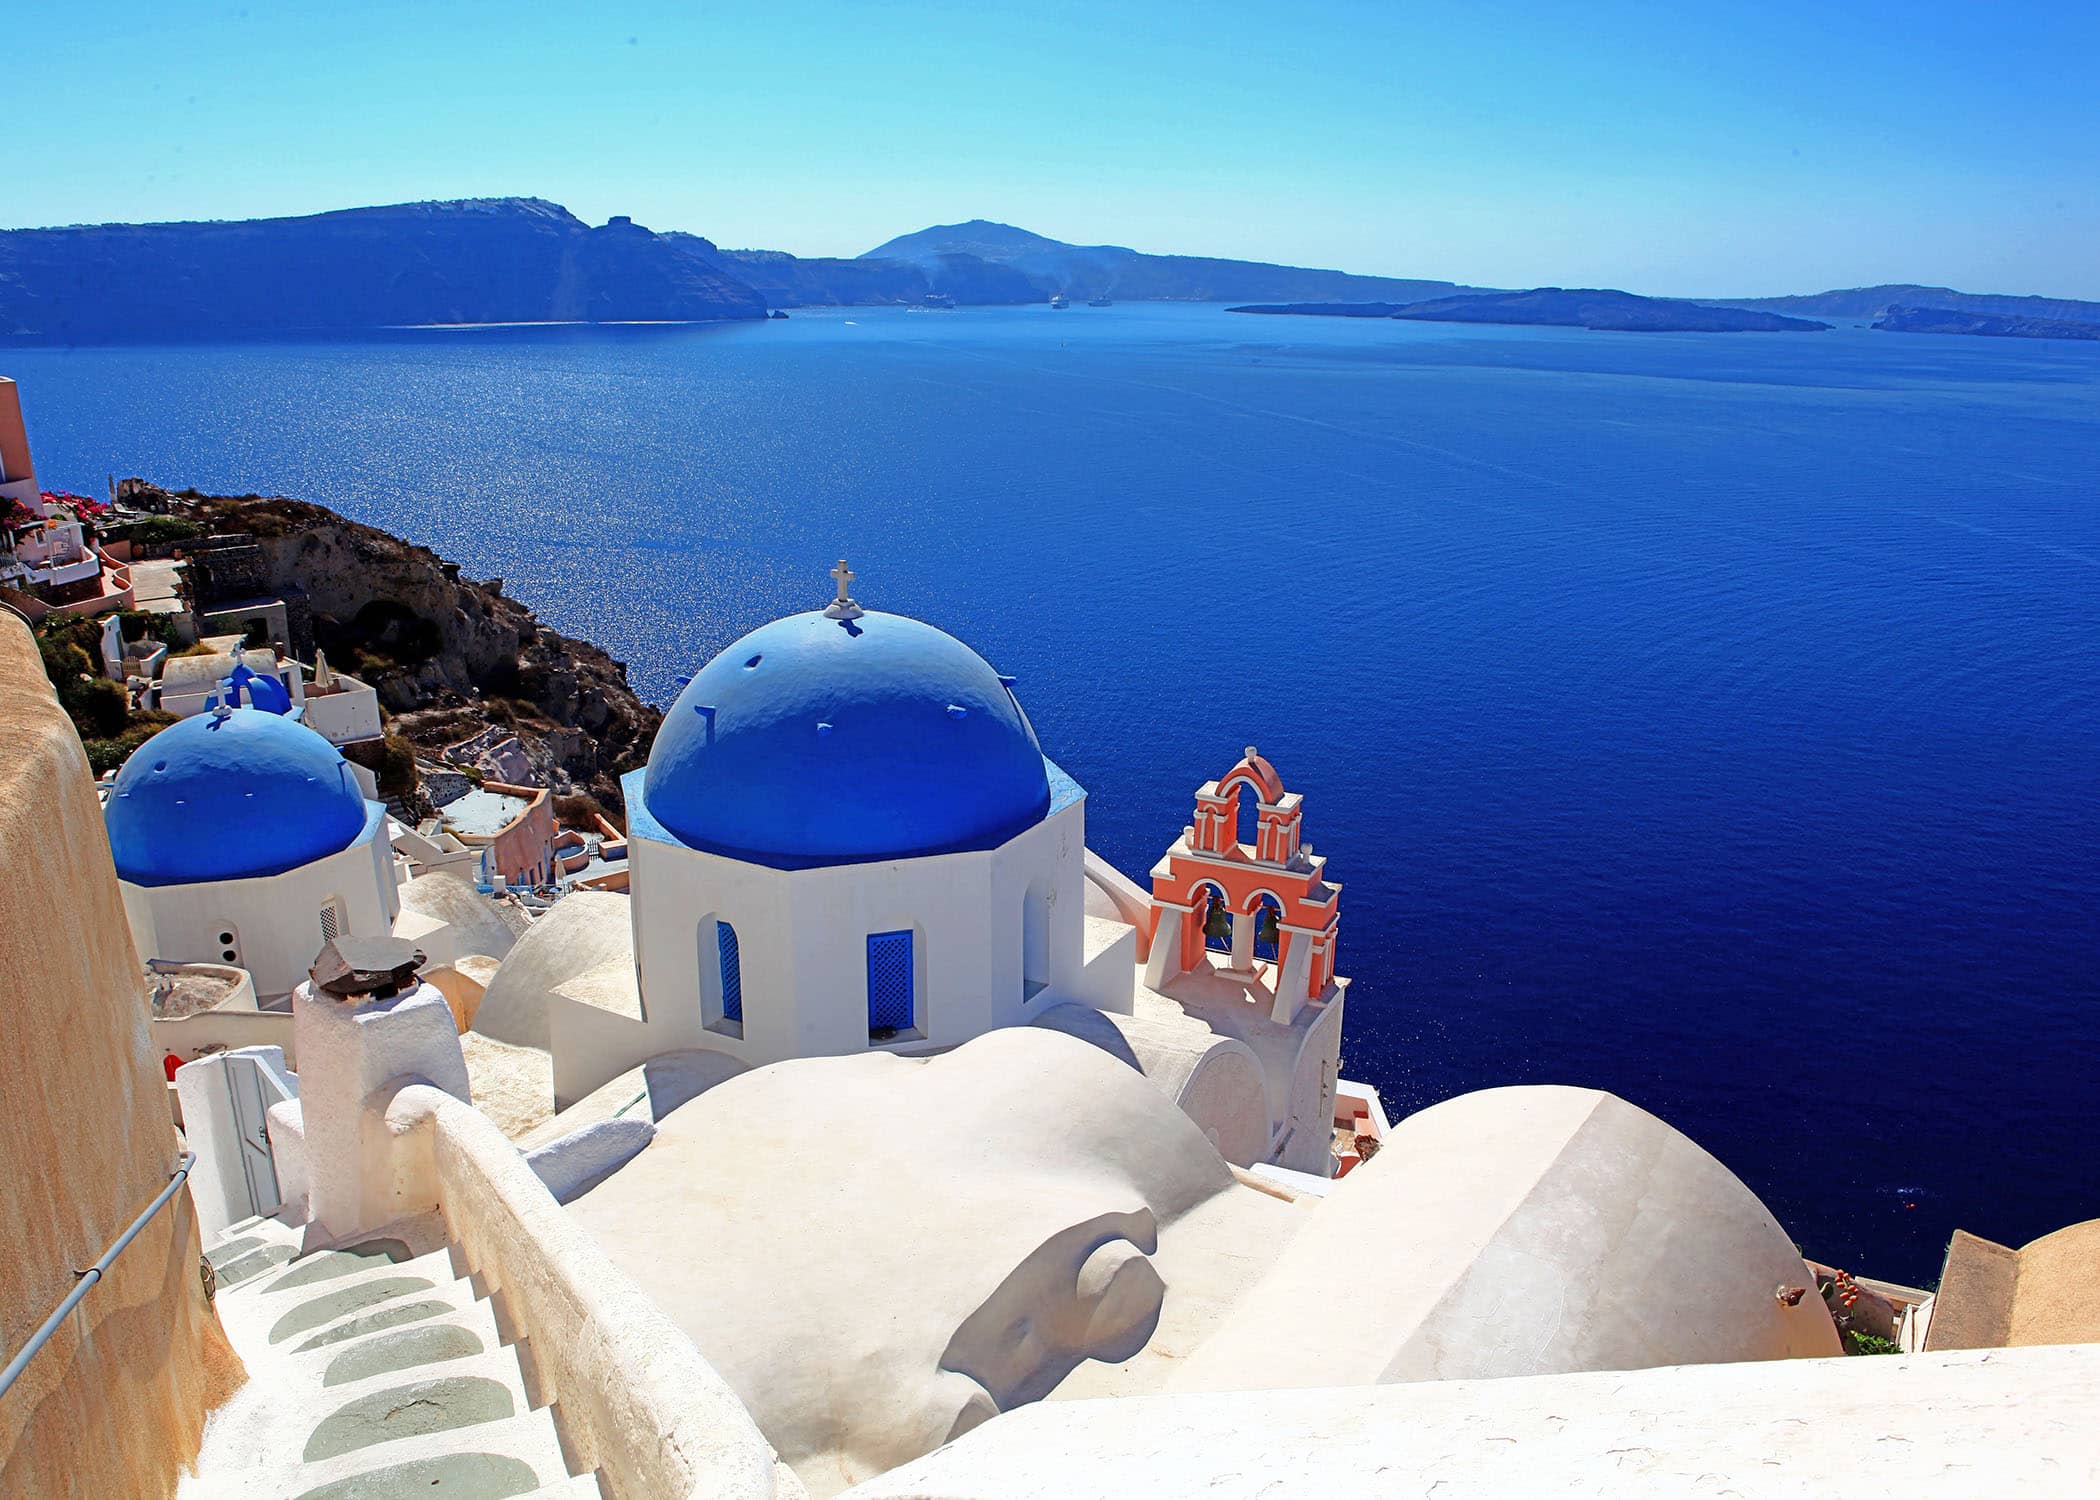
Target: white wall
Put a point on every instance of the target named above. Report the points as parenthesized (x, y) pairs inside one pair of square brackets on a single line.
[(218, 1182), (802, 941), (340, 718), (1936, 1427), (275, 919), (1307, 1130)]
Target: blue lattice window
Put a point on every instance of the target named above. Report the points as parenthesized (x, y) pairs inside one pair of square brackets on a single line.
[(891, 997), (732, 973)]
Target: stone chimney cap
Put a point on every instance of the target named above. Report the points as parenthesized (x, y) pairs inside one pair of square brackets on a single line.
[(354, 966)]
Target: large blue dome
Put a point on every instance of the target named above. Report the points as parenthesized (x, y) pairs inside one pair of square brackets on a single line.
[(815, 740), (229, 798)]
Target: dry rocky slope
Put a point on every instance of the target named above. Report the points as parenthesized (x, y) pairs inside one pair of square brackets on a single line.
[(447, 655)]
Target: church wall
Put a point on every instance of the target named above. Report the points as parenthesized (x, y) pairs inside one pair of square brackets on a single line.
[(676, 894), (275, 918), (1046, 861), (115, 1403), (802, 941), (946, 902), (1308, 1113)]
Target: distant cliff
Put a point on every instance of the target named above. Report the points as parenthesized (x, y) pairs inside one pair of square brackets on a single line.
[(1558, 307), (793, 281), (486, 260), (1113, 271), (1940, 320), (1874, 301)]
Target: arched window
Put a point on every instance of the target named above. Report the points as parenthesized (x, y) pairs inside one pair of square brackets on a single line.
[(892, 986), (1247, 801), (1035, 941), (332, 922), (1268, 928), (732, 965), (1216, 918)]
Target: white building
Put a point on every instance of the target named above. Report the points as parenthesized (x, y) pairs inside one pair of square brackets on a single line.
[(847, 837), (336, 706), (242, 837)]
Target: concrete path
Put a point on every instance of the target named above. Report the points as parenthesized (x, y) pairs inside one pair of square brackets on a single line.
[(374, 1370), (155, 585)]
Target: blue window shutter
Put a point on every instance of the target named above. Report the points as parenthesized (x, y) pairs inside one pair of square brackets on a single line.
[(732, 973), (891, 999)]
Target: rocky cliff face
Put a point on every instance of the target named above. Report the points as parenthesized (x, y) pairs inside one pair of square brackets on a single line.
[(472, 261), (1942, 320), (819, 281), (1112, 270), (1878, 301), (447, 655)]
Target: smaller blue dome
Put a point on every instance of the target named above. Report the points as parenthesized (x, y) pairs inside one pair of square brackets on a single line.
[(231, 797), (257, 690)]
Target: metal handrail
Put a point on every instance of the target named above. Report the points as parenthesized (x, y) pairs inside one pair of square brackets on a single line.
[(93, 1274)]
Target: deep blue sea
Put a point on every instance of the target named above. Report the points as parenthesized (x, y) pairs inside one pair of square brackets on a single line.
[(1713, 719)]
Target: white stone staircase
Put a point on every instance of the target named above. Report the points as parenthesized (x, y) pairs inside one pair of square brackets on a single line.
[(375, 1370)]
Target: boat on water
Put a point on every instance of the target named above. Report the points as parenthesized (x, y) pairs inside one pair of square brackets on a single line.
[(1099, 302), (1060, 300)]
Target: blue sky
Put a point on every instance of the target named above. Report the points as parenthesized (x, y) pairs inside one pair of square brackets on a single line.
[(1677, 148)]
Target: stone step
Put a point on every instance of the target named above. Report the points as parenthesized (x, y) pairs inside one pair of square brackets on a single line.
[(248, 1260), (408, 1404), (527, 1438), (262, 1227), (338, 1270), (498, 1366), (459, 1311), (296, 1317), (453, 1301), (333, 1265), (414, 1347)]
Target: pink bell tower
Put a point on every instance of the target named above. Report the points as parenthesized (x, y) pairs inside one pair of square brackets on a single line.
[(1261, 908)]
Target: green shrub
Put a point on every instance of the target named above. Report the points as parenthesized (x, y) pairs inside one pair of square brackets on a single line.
[(156, 531), (397, 767), (1869, 1343), (145, 625), (106, 754), (98, 707), (578, 809), (64, 662)]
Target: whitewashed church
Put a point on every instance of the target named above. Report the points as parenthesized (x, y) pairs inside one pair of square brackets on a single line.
[(847, 837)]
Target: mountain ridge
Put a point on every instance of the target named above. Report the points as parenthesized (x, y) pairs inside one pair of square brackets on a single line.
[(1877, 301), (453, 261), (529, 260), (1989, 325), (1088, 271)]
